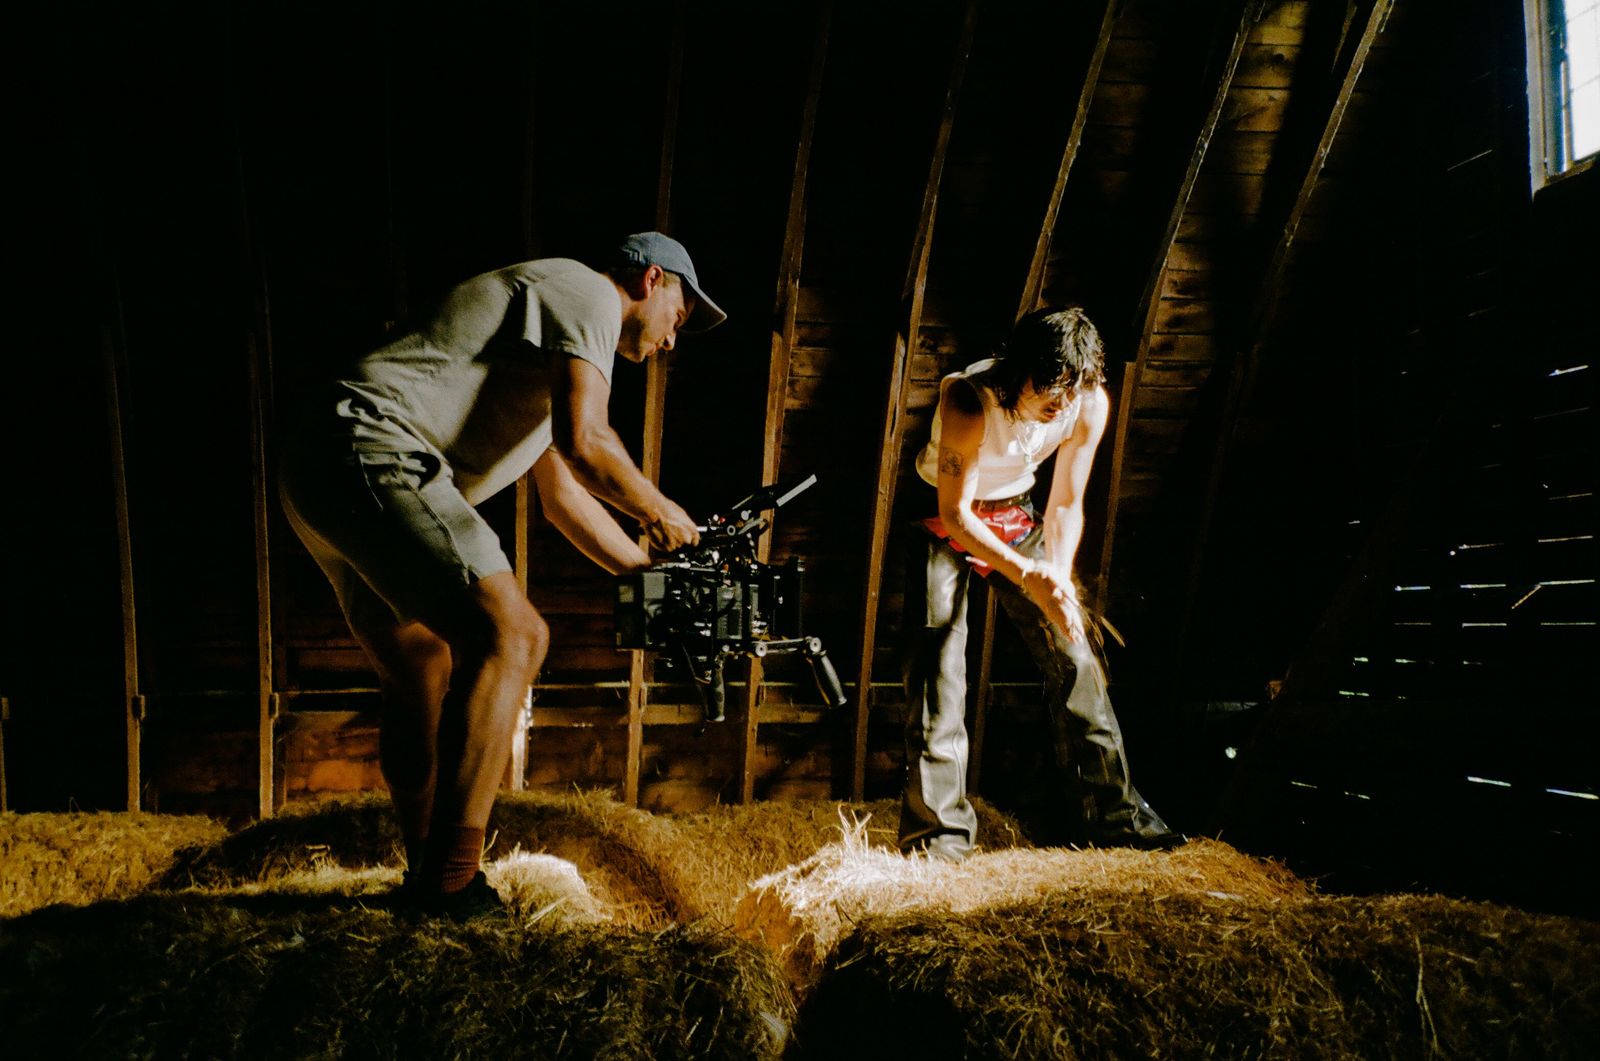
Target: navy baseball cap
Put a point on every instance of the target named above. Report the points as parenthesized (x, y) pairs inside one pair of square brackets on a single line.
[(654, 248)]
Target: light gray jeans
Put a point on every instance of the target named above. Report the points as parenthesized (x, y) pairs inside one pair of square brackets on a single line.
[(935, 813)]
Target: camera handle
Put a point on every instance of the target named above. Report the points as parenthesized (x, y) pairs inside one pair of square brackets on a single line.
[(828, 683), (710, 679)]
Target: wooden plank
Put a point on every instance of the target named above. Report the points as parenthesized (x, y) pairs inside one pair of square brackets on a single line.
[(5, 791), (1034, 281), (515, 777), (1350, 55), (259, 353), (655, 396), (1128, 389), (905, 341), (1222, 65), (786, 307), (133, 701)]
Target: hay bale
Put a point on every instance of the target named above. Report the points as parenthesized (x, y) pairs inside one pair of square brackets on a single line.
[(536, 886), (624, 855), (1111, 974), (628, 857), (350, 831), (84, 858), (799, 913), (263, 973), (645, 870), (726, 849)]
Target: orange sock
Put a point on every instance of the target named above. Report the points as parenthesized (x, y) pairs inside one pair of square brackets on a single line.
[(453, 857)]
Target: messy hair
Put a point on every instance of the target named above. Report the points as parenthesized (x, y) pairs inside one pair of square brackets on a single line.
[(1050, 347)]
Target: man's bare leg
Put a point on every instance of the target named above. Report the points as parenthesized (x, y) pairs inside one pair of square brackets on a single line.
[(497, 643), (413, 665)]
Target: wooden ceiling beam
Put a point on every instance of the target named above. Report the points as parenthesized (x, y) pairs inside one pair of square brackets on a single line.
[(1355, 43), (785, 310), (1033, 283), (655, 389), (907, 329), (116, 370), (1222, 65)]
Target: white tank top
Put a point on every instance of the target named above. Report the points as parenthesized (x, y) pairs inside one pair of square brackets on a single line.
[(1011, 451)]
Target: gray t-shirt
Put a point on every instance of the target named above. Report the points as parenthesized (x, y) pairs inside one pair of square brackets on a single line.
[(471, 383)]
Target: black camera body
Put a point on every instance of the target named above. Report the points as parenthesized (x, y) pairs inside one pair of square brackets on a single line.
[(709, 602)]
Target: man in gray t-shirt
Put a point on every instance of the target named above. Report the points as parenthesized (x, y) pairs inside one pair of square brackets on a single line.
[(511, 372)]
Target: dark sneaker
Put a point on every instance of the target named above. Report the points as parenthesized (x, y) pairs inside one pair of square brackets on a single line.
[(476, 900)]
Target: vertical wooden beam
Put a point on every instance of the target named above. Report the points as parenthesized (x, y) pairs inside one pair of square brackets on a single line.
[(905, 342), (133, 700), (1127, 388), (1222, 66), (5, 792), (258, 353), (258, 349), (1351, 54), (517, 765), (785, 310), (1032, 286), (516, 774), (655, 391)]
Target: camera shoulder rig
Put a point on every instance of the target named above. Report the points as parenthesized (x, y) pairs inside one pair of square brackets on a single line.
[(708, 602)]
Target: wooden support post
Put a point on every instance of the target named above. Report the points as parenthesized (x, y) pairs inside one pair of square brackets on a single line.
[(905, 342), (785, 309), (655, 394), (1032, 286), (267, 701), (258, 353), (5, 792), (132, 699), (516, 775), (1221, 67), (1351, 54)]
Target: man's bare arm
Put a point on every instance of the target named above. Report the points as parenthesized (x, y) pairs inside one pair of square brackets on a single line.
[(579, 395), (584, 521), (1063, 513)]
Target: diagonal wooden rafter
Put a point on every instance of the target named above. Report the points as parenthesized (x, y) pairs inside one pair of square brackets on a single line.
[(1350, 56), (258, 352), (785, 310), (1221, 67), (655, 390), (132, 698), (1032, 286), (907, 330)]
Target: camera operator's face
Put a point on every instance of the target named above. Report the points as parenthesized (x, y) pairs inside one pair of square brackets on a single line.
[(653, 328)]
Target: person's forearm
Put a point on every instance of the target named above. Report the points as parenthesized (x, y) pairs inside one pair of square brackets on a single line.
[(601, 462), (982, 543), (588, 526), (1063, 530)]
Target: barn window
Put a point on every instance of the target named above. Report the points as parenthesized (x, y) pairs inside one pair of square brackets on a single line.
[(1563, 85)]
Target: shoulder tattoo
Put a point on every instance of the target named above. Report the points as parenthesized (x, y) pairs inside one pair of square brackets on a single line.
[(950, 462)]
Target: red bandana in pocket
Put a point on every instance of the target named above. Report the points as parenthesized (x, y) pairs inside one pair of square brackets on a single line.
[(1010, 524)]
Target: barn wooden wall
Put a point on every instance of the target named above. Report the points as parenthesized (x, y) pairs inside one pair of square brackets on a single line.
[(1304, 227)]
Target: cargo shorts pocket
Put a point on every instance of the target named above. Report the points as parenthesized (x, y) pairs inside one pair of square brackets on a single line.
[(385, 472)]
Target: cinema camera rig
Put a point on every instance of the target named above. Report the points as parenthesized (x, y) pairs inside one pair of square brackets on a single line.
[(706, 603)]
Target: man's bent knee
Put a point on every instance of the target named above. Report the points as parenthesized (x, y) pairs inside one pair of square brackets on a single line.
[(503, 624)]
